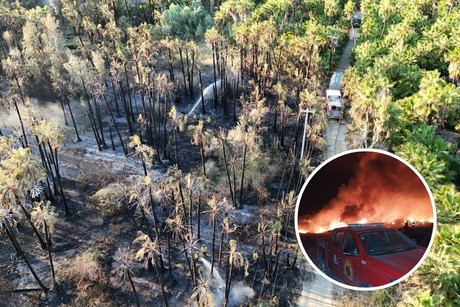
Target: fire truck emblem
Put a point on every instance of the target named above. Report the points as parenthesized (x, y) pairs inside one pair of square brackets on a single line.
[(348, 269)]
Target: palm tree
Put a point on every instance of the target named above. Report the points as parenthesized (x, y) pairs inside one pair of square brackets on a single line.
[(44, 215), (213, 38), (191, 256), (281, 94), (140, 200), (81, 74), (203, 110), (223, 139), (51, 136), (190, 181), (349, 10), (193, 49), (262, 229), (149, 251), (11, 98), (180, 48), (200, 137), (171, 47), (287, 207), (60, 85), (203, 294), (178, 123), (20, 171), (7, 223), (101, 92), (146, 153), (177, 229), (225, 229), (125, 260), (164, 89), (235, 260), (117, 78), (176, 226), (213, 212), (454, 64)]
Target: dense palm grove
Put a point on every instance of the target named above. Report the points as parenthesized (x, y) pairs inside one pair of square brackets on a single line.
[(217, 182), (405, 98)]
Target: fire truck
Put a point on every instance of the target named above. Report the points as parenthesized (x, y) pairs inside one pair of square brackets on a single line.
[(367, 255)]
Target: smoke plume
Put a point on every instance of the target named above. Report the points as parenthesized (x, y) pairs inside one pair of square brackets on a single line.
[(382, 189)]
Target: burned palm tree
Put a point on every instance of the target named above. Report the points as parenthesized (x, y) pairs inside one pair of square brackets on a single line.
[(50, 137), (222, 136), (100, 92), (176, 230), (213, 213), (146, 153), (7, 224), (285, 210), (192, 256), (149, 251), (139, 201), (20, 171), (125, 260), (178, 123), (164, 89), (200, 137), (203, 294), (235, 260), (44, 216)]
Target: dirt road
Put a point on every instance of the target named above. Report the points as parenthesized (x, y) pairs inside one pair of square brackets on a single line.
[(319, 291)]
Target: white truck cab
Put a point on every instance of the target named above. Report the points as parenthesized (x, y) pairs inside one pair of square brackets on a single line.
[(334, 105)]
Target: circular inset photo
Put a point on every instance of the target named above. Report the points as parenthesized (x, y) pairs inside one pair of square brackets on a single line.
[(365, 219)]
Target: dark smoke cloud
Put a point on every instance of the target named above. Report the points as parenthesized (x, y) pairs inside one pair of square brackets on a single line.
[(350, 212), (381, 189)]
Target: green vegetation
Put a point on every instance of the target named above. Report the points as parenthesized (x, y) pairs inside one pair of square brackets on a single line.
[(186, 22), (404, 89)]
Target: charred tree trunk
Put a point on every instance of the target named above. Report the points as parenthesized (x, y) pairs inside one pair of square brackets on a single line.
[(66, 122), (203, 110), (189, 74), (134, 288), (23, 256), (215, 76), (48, 247), (25, 144), (228, 173), (126, 109), (183, 71), (73, 120), (125, 151), (131, 112), (214, 221), (242, 173)]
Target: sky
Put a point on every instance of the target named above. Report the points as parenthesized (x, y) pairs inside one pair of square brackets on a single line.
[(363, 187)]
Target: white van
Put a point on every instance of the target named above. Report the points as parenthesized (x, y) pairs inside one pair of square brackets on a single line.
[(334, 105)]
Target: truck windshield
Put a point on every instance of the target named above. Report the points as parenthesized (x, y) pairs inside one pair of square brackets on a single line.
[(385, 242)]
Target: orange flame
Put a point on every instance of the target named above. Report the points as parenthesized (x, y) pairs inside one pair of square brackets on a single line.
[(376, 193)]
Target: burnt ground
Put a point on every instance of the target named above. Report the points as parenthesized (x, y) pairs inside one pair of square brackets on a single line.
[(84, 170)]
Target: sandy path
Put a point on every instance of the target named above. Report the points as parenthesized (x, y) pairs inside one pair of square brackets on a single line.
[(319, 291)]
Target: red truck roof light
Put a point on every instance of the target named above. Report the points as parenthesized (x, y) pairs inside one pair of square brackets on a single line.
[(366, 225)]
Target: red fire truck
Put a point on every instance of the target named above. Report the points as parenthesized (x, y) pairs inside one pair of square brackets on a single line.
[(367, 255)]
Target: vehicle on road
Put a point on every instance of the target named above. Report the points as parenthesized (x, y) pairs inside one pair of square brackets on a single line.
[(356, 20), (367, 255), (334, 104)]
